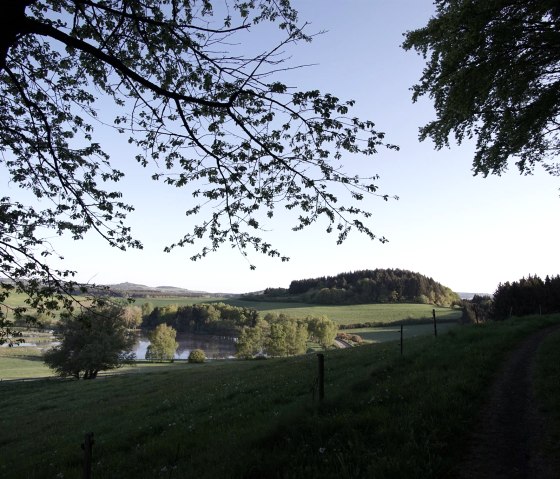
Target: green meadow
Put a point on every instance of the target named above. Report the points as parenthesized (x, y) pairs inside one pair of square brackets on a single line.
[(25, 362), (342, 314), (384, 415), (392, 333)]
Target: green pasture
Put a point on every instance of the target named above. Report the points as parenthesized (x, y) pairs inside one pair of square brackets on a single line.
[(20, 362), (342, 314), (15, 300), (360, 313), (384, 415), (393, 333), (22, 367)]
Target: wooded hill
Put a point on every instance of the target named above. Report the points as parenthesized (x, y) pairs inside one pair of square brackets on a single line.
[(367, 286)]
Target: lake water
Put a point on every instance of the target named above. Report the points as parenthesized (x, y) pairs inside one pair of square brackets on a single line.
[(213, 346)]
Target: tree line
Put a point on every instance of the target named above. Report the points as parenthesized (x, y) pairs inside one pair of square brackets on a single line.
[(273, 334), (101, 337), (216, 318), (529, 295), (368, 286)]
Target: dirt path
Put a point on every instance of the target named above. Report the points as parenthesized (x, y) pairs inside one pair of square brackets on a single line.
[(505, 444)]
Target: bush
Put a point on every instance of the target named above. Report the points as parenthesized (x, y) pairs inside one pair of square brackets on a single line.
[(197, 356)]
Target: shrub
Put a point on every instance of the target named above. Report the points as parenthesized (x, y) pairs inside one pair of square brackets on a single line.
[(197, 356)]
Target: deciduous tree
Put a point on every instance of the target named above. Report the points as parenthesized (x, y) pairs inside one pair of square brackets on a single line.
[(162, 343), (132, 316), (193, 102), (322, 330), (95, 340), (493, 72), (251, 340)]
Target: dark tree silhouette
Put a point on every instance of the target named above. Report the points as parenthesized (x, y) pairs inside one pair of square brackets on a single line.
[(529, 295), (493, 72), (190, 101)]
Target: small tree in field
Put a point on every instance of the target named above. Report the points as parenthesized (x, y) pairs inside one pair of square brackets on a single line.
[(95, 340), (162, 344)]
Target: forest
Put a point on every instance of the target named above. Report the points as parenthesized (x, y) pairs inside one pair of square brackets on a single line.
[(529, 295), (367, 286)]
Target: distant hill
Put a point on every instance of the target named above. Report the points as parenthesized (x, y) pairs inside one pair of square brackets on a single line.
[(140, 290), (366, 286)]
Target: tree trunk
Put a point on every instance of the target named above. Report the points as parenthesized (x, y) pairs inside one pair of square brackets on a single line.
[(12, 24)]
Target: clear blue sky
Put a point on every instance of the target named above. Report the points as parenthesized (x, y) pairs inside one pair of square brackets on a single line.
[(467, 232)]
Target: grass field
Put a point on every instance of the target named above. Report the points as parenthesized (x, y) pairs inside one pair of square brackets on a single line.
[(22, 367), (26, 367), (25, 361), (383, 415), (393, 333), (343, 314)]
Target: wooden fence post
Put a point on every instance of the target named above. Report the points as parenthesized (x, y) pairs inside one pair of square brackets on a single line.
[(321, 377), (401, 338), (435, 324), (87, 446)]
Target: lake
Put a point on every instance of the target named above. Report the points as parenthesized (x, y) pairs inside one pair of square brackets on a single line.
[(213, 346)]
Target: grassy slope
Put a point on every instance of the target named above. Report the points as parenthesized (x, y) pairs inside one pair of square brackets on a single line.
[(24, 362), (393, 333), (384, 415)]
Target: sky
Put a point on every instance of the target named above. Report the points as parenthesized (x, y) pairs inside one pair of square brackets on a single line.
[(469, 233)]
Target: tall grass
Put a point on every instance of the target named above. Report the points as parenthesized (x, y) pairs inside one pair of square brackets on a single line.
[(383, 415)]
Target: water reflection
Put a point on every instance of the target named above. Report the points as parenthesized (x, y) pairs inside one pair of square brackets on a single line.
[(213, 346)]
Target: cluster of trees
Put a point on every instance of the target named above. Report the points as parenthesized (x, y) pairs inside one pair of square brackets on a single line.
[(218, 318), (373, 286), (273, 334), (529, 295), (281, 335)]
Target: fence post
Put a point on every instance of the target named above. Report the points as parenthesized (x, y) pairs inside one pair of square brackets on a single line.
[(321, 380), (87, 446), (401, 338), (435, 324)]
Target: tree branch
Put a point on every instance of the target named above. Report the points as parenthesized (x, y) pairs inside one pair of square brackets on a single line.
[(33, 26)]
